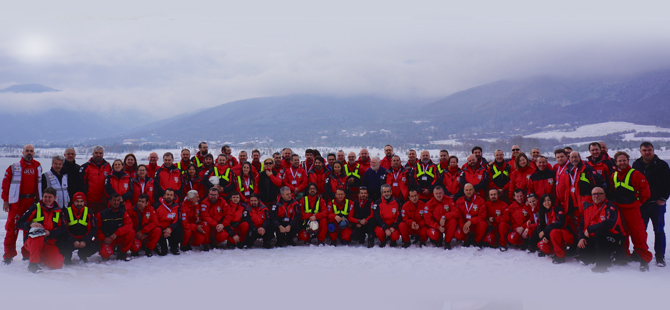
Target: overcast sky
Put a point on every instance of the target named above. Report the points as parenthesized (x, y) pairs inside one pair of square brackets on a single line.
[(166, 57)]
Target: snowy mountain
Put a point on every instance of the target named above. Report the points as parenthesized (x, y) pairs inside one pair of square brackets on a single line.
[(28, 88)]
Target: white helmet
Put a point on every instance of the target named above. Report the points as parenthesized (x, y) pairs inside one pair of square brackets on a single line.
[(314, 225), (214, 180)]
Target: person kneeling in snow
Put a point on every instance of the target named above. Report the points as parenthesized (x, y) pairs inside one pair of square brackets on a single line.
[(600, 232), (260, 223), (522, 219), (116, 230), (338, 213), (145, 225), (472, 222), (553, 233), (387, 215), (285, 214), (80, 228), (43, 223)]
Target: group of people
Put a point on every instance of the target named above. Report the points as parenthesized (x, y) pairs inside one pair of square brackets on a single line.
[(587, 208)]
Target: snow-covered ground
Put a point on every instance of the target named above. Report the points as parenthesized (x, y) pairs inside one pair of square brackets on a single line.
[(311, 277), (600, 129)]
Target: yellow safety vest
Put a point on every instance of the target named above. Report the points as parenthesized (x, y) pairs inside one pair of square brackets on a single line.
[(626, 182), (74, 221), (343, 212), (239, 183), (421, 172), (197, 161), (179, 167), (225, 176), (497, 173), (40, 218), (354, 173), (316, 207)]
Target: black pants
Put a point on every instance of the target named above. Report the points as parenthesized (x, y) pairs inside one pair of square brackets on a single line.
[(359, 233), (66, 248), (285, 237), (652, 211), (173, 241), (534, 239), (252, 236), (601, 248)]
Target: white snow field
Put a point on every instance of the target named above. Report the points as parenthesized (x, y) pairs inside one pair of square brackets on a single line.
[(343, 277), (600, 129)]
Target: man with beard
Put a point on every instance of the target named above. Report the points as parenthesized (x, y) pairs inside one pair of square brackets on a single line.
[(169, 220), (93, 175), (474, 174), (543, 180), (116, 230), (318, 175), (388, 157), (477, 151), (81, 226), (499, 170), (387, 217), (168, 176), (364, 160), (426, 176), (373, 179), (361, 218), (71, 168), (199, 157), (185, 160)]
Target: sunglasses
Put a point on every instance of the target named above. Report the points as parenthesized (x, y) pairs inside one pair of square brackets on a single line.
[(269, 163), (516, 150)]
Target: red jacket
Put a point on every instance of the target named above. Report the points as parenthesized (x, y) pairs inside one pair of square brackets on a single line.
[(333, 182), (520, 216), (471, 209), (601, 166), (500, 175), (319, 178), (168, 178), (478, 177), (435, 210), (190, 215), (145, 186), (121, 186), (183, 165), (340, 208), (143, 221), (388, 213), (413, 213), (151, 170), (234, 217), (29, 180), (295, 178), (227, 179), (215, 212), (52, 220), (542, 182), (93, 178), (600, 217), (313, 205), (194, 184), (232, 161), (498, 211), (365, 165), (386, 162), (168, 216), (399, 180), (246, 186), (451, 181), (125, 226), (258, 217), (519, 179), (625, 198), (579, 190)]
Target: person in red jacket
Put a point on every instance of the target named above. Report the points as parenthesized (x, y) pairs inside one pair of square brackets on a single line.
[(631, 189), (313, 209), (130, 165), (243, 159), (319, 174), (169, 220), (308, 164), (354, 175), (45, 216), (411, 159), (500, 171), (400, 179), (142, 184), (498, 219), (224, 175), (93, 175), (543, 180), (562, 167), (286, 217), (512, 161), (192, 181), (168, 176), (145, 225), (425, 176), (246, 182), (441, 217), (20, 190), (412, 219), (523, 220), (153, 164), (256, 161), (451, 178), (234, 223), (364, 160), (579, 181), (387, 161), (80, 228), (118, 182), (600, 232), (600, 162), (207, 164), (260, 223), (338, 214), (337, 179), (387, 217), (472, 221), (116, 230), (361, 218), (519, 177), (196, 231), (182, 165), (199, 158), (231, 161), (554, 235), (213, 211), (444, 162), (476, 175), (286, 154), (534, 155), (295, 178)]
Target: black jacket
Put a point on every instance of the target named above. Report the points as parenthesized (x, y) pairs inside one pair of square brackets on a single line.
[(658, 176)]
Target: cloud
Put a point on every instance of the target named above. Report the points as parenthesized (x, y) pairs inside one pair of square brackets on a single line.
[(163, 59)]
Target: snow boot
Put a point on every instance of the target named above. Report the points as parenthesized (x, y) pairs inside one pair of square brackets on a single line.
[(34, 268)]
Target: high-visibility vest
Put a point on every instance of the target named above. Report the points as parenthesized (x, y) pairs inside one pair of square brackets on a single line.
[(624, 193), (421, 172), (497, 173), (225, 176), (342, 212), (39, 217), (179, 167), (197, 162), (626, 182), (239, 183), (62, 196), (73, 221), (354, 173), (15, 185), (316, 207)]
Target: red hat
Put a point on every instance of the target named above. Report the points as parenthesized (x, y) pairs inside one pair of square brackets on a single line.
[(79, 195)]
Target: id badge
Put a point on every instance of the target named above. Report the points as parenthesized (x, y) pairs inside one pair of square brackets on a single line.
[(572, 189), (286, 219), (424, 178), (294, 182), (395, 184), (246, 193), (468, 216)]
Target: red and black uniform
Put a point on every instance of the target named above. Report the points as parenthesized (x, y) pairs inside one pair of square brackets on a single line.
[(553, 223), (194, 183), (295, 178), (387, 215), (226, 178), (319, 178), (190, 220), (259, 217), (317, 207), (204, 169), (386, 162), (433, 213), (43, 249), (426, 177), (500, 176), (364, 165), (451, 181), (471, 209), (285, 213), (118, 182), (234, 222), (353, 172), (401, 180), (198, 160), (579, 182), (341, 209), (146, 222), (214, 214), (603, 167), (562, 184), (115, 222), (307, 165), (542, 182), (169, 216), (183, 166), (168, 177), (411, 213), (362, 210), (238, 170), (143, 186), (93, 176), (631, 190), (499, 227), (258, 165), (29, 193), (131, 171), (533, 164), (232, 161), (151, 170), (246, 185), (478, 177), (519, 179), (335, 181), (606, 232), (80, 225), (520, 216)]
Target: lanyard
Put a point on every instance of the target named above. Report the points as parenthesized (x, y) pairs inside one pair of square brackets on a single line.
[(293, 174), (561, 169), (142, 185), (573, 177), (466, 204), (247, 181), (310, 167), (395, 175)]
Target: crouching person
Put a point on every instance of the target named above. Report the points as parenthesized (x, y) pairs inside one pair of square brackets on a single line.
[(216, 212), (472, 222), (600, 232), (43, 225), (313, 210), (387, 216), (286, 218), (234, 222), (361, 218), (195, 230), (116, 230), (338, 214), (554, 234), (145, 224), (413, 223), (168, 212), (260, 223), (441, 216), (80, 228)]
